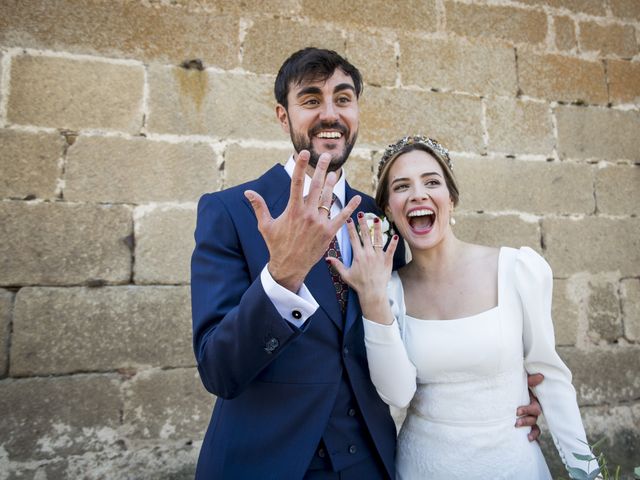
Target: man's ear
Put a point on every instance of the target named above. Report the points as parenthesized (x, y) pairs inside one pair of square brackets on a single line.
[(283, 117)]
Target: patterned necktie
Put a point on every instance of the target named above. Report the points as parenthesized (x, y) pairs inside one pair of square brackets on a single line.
[(342, 289)]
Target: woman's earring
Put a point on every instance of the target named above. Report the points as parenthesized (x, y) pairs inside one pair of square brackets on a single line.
[(452, 221)]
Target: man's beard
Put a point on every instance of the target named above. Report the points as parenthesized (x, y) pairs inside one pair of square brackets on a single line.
[(302, 142)]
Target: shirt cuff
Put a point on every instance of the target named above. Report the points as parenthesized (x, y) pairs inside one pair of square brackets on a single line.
[(294, 308), (381, 334)]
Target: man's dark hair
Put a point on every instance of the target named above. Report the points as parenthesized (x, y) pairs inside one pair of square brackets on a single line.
[(315, 65)]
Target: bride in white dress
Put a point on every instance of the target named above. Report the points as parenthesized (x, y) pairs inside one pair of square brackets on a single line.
[(454, 333)]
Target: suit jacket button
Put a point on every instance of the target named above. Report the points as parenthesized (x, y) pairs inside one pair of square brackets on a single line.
[(322, 453), (352, 449), (352, 412), (296, 314), (345, 351), (271, 345)]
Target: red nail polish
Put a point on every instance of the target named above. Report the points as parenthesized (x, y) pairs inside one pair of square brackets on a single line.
[(395, 237), (349, 220), (376, 220), (360, 214)]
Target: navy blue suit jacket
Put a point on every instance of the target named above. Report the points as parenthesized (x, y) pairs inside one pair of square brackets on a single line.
[(274, 396)]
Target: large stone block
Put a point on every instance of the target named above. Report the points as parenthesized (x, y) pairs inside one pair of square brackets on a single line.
[(30, 164), (242, 164), (519, 127), (603, 311), (592, 7), (507, 23), (598, 133), (625, 8), (189, 102), (150, 31), (489, 184), (592, 244), (167, 405), (457, 65), (556, 77), (618, 189), (269, 42), (610, 39), (565, 312), (164, 243), (137, 170), (604, 376), (379, 69), (497, 231), (565, 33), (75, 94), (406, 15), (58, 416), (454, 120), (359, 172), (62, 244), (630, 291), (6, 312), (624, 81), (65, 330)]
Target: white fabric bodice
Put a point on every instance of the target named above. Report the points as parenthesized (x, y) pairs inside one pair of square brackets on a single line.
[(466, 377)]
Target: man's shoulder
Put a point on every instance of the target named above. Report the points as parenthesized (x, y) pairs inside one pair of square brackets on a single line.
[(272, 179)]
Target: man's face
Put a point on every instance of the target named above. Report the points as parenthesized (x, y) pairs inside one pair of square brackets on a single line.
[(322, 117)]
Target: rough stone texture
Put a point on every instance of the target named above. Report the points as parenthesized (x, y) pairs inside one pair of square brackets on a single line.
[(630, 291), (608, 39), (164, 243), (151, 32), (219, 104), (506, 23), (387, 115), (104, 329), (497, 231), (360, 173), (61, 244), (167, 404), (555, 77), (592, 244), (565, 32), (62, 416), (242, 164), (592, 7), (269, 42), (624, 81), (471, 67), (625, 8), (379, 69), (519, 127), (29, 164), (487, 184), (604, 376), (603, 311), (407, 15), (75, 94), (598, 133), (618, 189), (6, 312), (109, 169), (565, 313)]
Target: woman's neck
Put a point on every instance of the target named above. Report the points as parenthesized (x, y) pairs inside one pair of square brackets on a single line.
[(436, 261)]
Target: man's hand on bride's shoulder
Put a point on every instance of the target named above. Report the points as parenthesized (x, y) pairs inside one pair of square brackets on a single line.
[(528, 414)]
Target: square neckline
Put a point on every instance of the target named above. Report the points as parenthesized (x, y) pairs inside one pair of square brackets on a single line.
[(467, 317)]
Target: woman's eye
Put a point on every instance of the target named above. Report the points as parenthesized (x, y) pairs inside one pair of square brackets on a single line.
[(400, 187)]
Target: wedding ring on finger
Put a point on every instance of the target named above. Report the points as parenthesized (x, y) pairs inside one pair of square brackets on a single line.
[(323, 207), (378, 245)]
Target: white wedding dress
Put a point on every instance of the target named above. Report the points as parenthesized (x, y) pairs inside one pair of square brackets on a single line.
[(464, 379)]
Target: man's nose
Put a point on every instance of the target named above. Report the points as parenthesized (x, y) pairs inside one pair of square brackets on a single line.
[(329, 112)]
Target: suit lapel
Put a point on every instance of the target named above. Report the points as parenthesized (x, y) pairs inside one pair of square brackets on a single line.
[(353, 306)]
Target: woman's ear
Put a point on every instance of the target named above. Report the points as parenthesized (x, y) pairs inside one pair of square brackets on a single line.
[(387, 213)]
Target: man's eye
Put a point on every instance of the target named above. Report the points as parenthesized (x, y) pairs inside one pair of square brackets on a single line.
[(311, 101), (344, 100)]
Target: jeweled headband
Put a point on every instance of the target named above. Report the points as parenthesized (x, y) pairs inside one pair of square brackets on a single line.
[(430, 143)]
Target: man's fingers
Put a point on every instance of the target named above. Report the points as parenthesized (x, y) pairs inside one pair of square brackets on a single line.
[(318, 180), (346, 212), (327, 191), (534, 434), (297, 177), (534, 380), (259, 207)]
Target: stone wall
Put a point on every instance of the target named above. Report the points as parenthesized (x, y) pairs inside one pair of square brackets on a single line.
[(116, 115)]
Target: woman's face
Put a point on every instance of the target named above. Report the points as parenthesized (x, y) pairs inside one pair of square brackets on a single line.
[(419, 201)]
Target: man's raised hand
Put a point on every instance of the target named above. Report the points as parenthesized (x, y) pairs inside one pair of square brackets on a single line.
[(299, 237)]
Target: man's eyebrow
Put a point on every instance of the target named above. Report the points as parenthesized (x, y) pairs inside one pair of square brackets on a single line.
[(313, 90), (344, 86)]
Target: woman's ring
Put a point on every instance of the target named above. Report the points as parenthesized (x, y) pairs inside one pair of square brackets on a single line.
[(375, 245), (325, 208)]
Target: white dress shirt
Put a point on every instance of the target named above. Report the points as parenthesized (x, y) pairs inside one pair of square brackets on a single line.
[(303, 303)]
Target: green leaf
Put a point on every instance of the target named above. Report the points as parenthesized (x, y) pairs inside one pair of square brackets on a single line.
[(636, 472), (594, 474), (597, 444), (586, 458), (577, 473)]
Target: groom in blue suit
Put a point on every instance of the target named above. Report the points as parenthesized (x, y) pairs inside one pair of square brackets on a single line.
[(278, 337)]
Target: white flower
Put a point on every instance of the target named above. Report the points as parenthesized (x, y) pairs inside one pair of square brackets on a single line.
[(370, 217)]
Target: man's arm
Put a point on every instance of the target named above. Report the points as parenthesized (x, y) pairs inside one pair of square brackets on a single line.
[(528, 414)]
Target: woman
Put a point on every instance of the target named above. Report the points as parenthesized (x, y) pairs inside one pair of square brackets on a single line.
[(459, 321)]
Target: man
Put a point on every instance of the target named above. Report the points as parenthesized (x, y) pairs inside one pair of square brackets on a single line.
[(277, 338)]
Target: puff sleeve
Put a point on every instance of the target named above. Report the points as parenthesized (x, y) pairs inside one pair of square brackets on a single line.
[(392, 373), (534, 282)]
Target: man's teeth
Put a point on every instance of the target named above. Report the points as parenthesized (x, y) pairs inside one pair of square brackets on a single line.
[(420, 213), (329, 135)]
